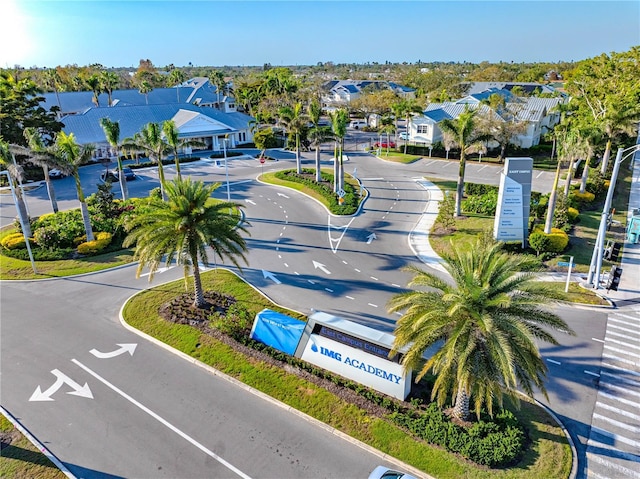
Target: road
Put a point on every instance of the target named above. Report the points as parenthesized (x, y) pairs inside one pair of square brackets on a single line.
[(345, 266)]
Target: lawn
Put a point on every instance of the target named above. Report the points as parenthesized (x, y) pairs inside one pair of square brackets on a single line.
[(549, 455)]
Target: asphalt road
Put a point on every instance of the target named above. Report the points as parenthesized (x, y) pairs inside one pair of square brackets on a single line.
[(152, 402)]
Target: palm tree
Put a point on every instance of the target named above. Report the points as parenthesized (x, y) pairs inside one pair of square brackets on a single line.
[(617, 119), (145, 88), (176, 78), (409, 108), (40, 155), (487, 323), (112, 132), (71, 156), (53, 80), (109, 81), (93, 82), (294, 121), (469, 140), (150, 141), (339, 120), (318, 134), (16, 173), (388, 128), (172, 137), (181, 229), (216, 78)]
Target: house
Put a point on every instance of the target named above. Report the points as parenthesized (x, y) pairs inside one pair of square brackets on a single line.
[(207, 124), (337, 93), (538, 113), (529, 88)]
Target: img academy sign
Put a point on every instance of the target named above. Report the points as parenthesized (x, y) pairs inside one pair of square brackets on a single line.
[(369, 369), (514, 201)]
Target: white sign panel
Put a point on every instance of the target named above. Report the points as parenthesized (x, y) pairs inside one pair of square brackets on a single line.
[(514, 198), (385, 376)]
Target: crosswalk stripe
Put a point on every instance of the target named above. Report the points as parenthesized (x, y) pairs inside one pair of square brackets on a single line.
[(616, 437), (618, 350), (613, 422), (622, 370), (618, 411), (619, 359), (617, 398), (621, 379), (621, 469)]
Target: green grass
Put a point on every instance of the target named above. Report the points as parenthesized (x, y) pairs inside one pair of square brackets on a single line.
[(549, 456), (397, 156), (22, 459)]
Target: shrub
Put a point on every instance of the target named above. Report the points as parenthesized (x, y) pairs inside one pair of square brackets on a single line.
[(14, 241), (485, 204), (47, 237), (539, 242), (573, 213), (473, 189), (580, 198), (561, 214), (67, 226), (103, 239), (447, 209), (558, 240)]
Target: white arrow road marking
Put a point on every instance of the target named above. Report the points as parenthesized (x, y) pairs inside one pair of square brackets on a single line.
[(250, 202), (163, 421), (271, 276), (321, 267), (371, 237), (159, 270), (124, 348), (61, 378), (283, 195)]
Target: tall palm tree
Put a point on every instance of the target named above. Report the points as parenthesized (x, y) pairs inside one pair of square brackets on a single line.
[(93, 82), (172, 137), (487, 323), (183, 227), (112, 133), (339, 121), (617, 119), (176, 78), (150, 141), (294, 121), (43, 156), (53, 80), (71, 156), (469, 139), (216, 78), (16, 173), (388, 128), (145, 88), (409, 108), (318, 134), (109, 80)]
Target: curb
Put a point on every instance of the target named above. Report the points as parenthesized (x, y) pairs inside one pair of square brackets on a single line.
[(260, 394), (41, 447), (574, 452)]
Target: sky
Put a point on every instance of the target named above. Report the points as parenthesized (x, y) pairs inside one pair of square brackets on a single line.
[(47, 33)]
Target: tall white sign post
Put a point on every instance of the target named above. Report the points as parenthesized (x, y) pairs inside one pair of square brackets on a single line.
[(514, 201)]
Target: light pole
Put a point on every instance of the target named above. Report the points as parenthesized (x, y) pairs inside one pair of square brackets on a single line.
[(598, 249), (26, 238), (226, 167)]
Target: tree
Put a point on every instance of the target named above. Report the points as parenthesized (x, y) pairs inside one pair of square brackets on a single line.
[(388, 128), (501, 122), (468, 138), (182, 228), (176, 78), (339, 120), (53, 80), (71, 156), (150, 141), (294, 121), (43, 156), (109, 81), (16, 173), (145, 88), (318, 134), (172, 137), (216, 78), (93, 82), (487, 322), (112, 133), (20, 108), (408, 108)]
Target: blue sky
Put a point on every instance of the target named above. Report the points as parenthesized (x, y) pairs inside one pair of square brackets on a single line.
[(214, 33)]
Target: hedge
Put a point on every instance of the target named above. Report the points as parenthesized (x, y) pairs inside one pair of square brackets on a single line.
[(558, 239), (103, 239)]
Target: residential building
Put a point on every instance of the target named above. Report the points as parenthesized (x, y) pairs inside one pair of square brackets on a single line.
[(337, 93)]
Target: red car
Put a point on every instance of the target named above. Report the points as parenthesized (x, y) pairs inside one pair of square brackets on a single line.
[(384, 144)]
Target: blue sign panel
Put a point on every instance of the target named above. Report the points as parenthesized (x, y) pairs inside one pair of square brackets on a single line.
[(563, 263), (277, 330)]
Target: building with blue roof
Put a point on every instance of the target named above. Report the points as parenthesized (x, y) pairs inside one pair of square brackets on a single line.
[(337, 93)]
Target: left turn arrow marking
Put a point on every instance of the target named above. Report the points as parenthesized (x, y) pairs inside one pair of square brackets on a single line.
[(61, 378), (124, 348)]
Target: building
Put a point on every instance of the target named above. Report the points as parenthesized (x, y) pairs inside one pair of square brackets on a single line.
[(337, 93)]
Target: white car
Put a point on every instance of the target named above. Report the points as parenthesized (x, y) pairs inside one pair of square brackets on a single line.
[(403, 135), (55, 174), (383, 472)]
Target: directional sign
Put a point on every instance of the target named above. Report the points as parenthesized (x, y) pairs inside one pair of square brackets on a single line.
[(61, 378), (371, 237), (321, 267), (262, 160), (271, 276), (341, 193), (124, 348), (564, 263)]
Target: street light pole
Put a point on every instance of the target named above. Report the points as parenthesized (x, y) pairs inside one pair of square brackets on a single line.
[(598, 249), (226, 166), (21, 219)]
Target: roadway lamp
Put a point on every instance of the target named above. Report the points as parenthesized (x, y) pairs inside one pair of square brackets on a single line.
[(598, 249)]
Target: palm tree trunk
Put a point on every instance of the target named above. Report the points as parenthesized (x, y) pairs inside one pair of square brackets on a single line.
[(298, 161), (552, 201), (585, 176), (341, 170), (567, 183), (22, 207), (161, 178), (461, 407), (124, 189), (335, 168), (318, 176), (50, 190), (86, 220), (605, 158), (460, 186), (198, 294)]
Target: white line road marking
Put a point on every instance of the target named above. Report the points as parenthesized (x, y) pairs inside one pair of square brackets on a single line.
[(621, 471), (349, 297), (374, 278), (482, 168), (124, 348), (593, 374), (328, 290), (539, 174), (250, 202), (554, 362), (162, 421), (286, 265), (621, 343), (598, 340), (398, 313), (356, 270), (635, 318), (283, 195), (372, 305), (61, 378), (615, 437), (623, 370), (617, 358), (614, 397), (271, 276), (619, 411), (622, 379), (311, 281), (626, 336), (296, 273), (344, 262), (617, 350), (321, 267), (622, 425)]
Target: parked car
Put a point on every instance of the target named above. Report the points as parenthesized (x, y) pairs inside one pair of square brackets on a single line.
[(113, 175), (403, 135), (384, 144), (383, 472), (55, 174), (127, 172), (357, 124)]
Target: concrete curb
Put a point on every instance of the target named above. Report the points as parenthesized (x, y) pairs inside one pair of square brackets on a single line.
[(574, 451), (41, 447), (262, 395)]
